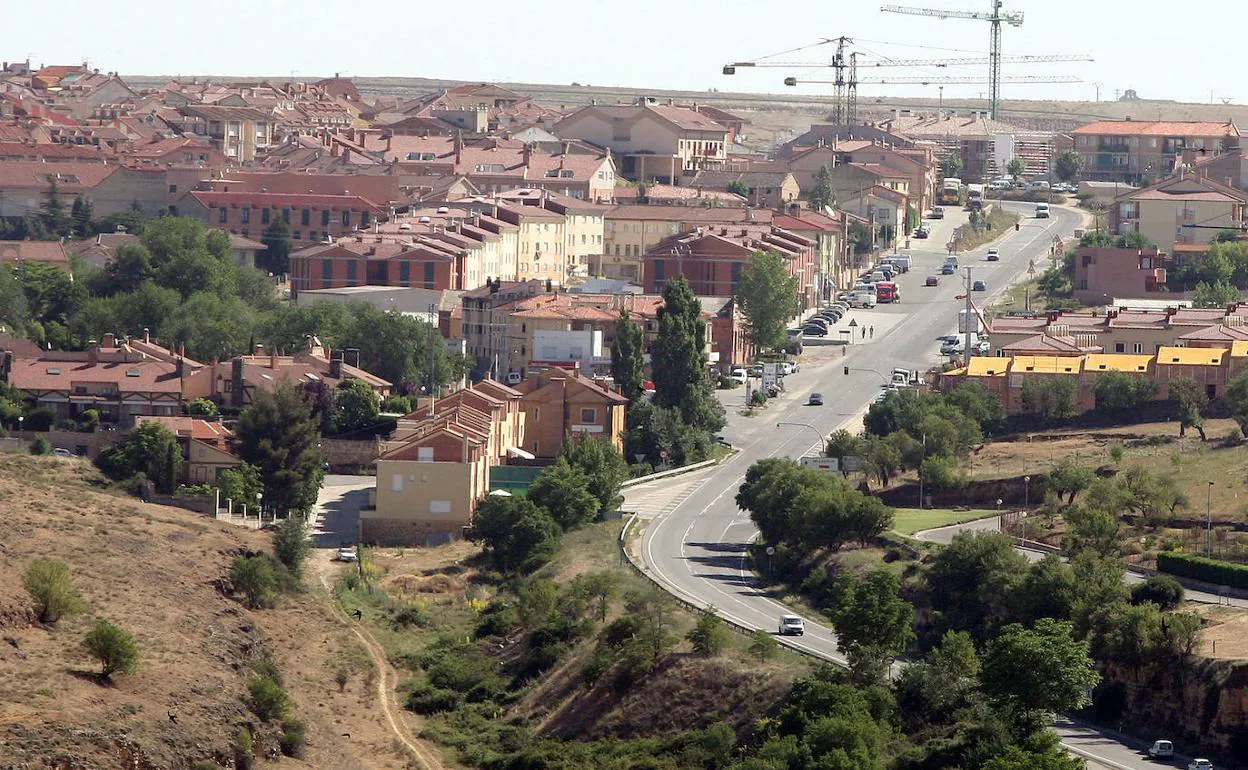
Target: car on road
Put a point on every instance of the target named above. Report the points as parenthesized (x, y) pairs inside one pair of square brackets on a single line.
[(1161, 750), (922, 232), (948, 338), (932, 280), (1042, 211), (815, 331), (979, 286), (62, 452), (1200, 764), (347, 553), (994, 255), (938, 212), (738, 375), (948, 268), (816, 399), (791, 625)]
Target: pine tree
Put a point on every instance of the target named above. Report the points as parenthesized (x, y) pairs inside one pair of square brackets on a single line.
[(277, 238), (52, 212), (81, 214), (627, 357), (678, 359), (822, 195)]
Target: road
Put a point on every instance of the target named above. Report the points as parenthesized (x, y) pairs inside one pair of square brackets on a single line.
[(695, 543)]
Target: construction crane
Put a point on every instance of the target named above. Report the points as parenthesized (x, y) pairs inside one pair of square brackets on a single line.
[(974, 60), (994, 19), (843, 109), (946, 80)]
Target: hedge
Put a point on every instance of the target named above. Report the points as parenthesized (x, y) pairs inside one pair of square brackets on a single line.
[(1223, 573)]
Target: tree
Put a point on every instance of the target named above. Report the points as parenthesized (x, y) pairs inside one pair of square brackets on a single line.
[(52, 591), (709, 636), (1121, 391), (396, 347), (267, 699), (290, 544), (81, 214), (1219, 294), (52, 212), (873, 623), (518, 535), (254, 578), (763, 645), (1190, 400), (563, 490), (355, 406), (628, 367), (1037, 671), (842, 444), (598, 589), (1050, 397), (768, 297), (737, 187), (202, 407), (278, 435), (277, 242), (150, 449), (678, 359), (1162, 590), (822, 195), (1236, 399), (1051, 758), (971, 582), (1016, 168), (1069, 478), (1090, 528), (241, 484), (114, 648), (951, 166), (604, 467), (1067, 166), (210, 326)]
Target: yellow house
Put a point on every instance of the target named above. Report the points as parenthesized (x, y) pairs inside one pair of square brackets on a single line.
[(1182, 209)]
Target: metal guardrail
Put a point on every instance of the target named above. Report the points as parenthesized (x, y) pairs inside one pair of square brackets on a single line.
[(665, 474)]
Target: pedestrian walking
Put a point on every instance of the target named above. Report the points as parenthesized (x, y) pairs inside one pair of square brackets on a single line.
[(864, 332), (872, 332)]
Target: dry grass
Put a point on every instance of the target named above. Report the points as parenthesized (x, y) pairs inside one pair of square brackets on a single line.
[(155, 571), (1225, 636)]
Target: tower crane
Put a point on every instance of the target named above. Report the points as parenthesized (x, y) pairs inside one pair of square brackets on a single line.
[(994, 19), (944, 80), (840, 114)]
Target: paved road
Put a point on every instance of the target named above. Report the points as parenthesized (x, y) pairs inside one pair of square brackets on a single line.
[(695, 546)]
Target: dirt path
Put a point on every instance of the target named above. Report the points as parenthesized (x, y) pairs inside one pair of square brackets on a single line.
[(425, 756)]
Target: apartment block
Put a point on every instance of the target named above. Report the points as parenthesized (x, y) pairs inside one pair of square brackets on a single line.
[(1135, 150)]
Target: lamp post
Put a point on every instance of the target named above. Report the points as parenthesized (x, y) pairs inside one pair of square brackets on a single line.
[(1209, 519), (259, 506), (803, 425), (921, 471), (1026, 491)]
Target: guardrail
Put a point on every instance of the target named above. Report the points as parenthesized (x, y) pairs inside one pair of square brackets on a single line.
[(665, 474)]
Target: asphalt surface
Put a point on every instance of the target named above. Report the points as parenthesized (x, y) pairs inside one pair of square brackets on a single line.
[(696, 546)]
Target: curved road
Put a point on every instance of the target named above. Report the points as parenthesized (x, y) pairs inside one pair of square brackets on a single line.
[(695, 544)]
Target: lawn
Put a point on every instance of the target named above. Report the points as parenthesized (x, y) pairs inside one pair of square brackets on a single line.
[(907, 521)]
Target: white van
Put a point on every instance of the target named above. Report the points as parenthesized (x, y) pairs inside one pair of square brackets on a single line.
[(1042, 211), (865, 299)]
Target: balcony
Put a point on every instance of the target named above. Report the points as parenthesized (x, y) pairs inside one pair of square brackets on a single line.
[(1120, 147)]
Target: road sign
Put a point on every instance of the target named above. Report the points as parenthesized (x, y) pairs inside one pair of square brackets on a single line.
[(851, 463), (853, 322), (827, 464), (771, 375)]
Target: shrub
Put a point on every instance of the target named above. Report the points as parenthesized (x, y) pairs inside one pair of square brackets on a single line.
[(267, 699), (408, 615), (341, 677), (40, 446), (53, 592), (709, 636), (202, 407), (428, 700), (758, 398), (40, 420), (1162, 590), (1201, 568), (255, 579), (294, 738), (244, 750), (763, 645), (113, 648), (290, 543), (266, 669)]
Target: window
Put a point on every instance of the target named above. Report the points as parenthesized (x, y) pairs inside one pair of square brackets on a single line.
[(589, 416), (1137, 347), (424, 454), (429, 279), (297, 235), (396, 482), (439, 506), (351, 268), (364, 217), (245, 215), (305, 217), (173, 188), (325, 217), (286, 215), (405, 272), (1120, 347), (264, 216), (660, 270), (222, 214), (346, 218), (327, 269)]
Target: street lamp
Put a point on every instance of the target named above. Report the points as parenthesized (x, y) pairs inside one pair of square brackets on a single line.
[(1026, 491), (259, 505), (803, 425)]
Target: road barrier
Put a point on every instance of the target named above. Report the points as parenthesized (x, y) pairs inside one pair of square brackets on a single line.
[(665, 474)]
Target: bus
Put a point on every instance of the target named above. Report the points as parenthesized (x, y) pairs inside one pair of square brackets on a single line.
[(887, 291), (951, 191)]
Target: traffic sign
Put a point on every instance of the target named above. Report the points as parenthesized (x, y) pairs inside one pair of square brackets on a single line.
[(853, 322)]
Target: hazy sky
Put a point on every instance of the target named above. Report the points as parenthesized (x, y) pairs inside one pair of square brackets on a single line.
[(637, 43)]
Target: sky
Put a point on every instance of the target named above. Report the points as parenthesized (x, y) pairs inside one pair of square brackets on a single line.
[(679, 44)]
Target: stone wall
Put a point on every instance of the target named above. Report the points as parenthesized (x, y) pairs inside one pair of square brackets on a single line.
[(408, 532), (340, 452)]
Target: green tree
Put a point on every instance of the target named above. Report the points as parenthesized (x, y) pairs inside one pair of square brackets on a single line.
[(842, 444), (951, 166), (563, 490), (1069, 478), (1038, 671), (267, 699), (1050, 397), (52, 211), (114, 648), (709, 636), (81, 214), (768, 297), (678, 359), (518, 535), (278, 435), (396, 347), (1016, 168), (1122, 391), (290, 544), (737, 187), (604, 467), (1236, 399), (1051, 758), (210, 326), (763, 645), (972, 580), (151, 449), (1090, 528), (1189, 400), (241, 484), (254, 578), (355, 406), (276, 256), (822, 195), (1219, 294), (598, 589), (1067, 166), (202, 407), (873, 623), (53, 592), (628, 367), (1162, 590)]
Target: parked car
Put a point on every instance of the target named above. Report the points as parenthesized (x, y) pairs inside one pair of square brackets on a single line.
[(815, 331), (1200, 764), (794, 365), (791, 625), (816, 399), (938, 212), (952, 348), (756, 370), (62, 452), (994, 255), (347, 553), (738, 376), (979, 286), (922, 232), (932, 280), (1161, 750)]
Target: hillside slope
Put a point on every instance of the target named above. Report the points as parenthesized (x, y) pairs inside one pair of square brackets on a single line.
[(157, 572)]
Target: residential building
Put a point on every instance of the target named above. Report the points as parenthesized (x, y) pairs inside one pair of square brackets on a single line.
[(766, 189), (630, 231), (562, 402), (583, 226), (240, 133), (835, 265), (205, 448), (653, 142), (1186, 208), (1115, 329), (48, 252), (984, 146), (1136, 150), (1105, 274), (425, 304), (236, 381), (886, 211)]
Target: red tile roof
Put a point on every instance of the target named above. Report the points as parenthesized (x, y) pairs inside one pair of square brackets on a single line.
[(259, 199), (1156, 128), (69, 176), (51, 252), (42, 374)]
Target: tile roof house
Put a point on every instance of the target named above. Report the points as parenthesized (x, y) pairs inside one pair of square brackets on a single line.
[(48, 252), (205, 447), (1131, 150), (559, 403), (768, 189), (1166, 212), (655, 142)]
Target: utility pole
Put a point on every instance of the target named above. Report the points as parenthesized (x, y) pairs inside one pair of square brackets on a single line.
[(969, 315)]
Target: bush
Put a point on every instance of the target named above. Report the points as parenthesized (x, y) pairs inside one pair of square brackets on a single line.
[(428, 700), (294, 739), (290, 543), (40, 446), (709, 636), (397, 404), (40, 420), (113, 648), (255, 578), (49, 585), (244, 750), (202, 407), (763, 645), (267, 699), (758, 398), (408, 615), (1200, 568), (1162, 590)]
